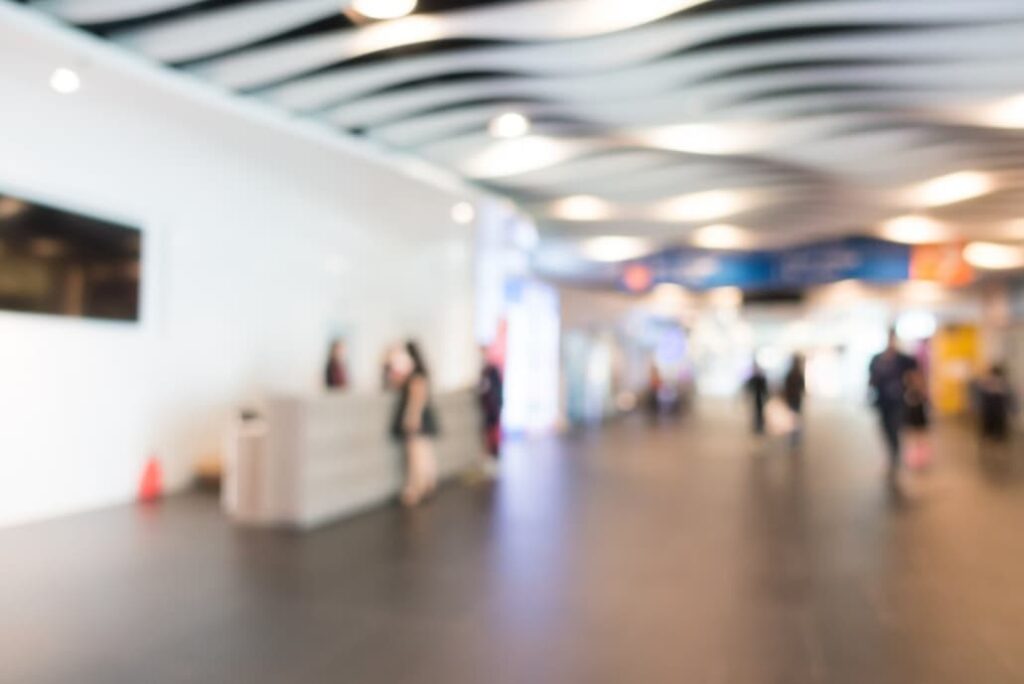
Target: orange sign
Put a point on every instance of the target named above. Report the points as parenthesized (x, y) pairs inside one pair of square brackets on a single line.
[(940, 263)]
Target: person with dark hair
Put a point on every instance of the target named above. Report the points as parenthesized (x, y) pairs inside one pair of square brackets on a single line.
[(794, 387), (995, 403), (490, 392), (415, 422), (336, 372), (888, 375), (757, 387)]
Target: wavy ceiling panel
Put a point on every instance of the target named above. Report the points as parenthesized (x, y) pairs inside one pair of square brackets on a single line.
[(825, 110)]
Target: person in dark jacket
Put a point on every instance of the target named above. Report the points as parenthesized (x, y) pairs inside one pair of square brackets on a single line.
[(888, 374), (995, 403), (336, 372), (490, 392), (757, 388), (794, 387)]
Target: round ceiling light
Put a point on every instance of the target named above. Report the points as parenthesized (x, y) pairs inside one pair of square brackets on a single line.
[(952, 188), (509, 125), (463, 213), (993, 256), (581, 208), (721, 236), (384, 9), (914, 230), (65, 81), (611, 248)]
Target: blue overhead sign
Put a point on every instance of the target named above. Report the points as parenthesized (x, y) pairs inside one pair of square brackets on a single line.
[(856, 258)]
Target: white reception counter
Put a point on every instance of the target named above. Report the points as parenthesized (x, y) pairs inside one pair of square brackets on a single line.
[(312, 460)]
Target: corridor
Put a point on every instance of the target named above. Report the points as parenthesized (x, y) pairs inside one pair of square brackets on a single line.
[(669, 553)]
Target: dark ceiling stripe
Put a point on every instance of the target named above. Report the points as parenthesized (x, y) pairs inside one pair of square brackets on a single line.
[(439, 80), (403, 52), (823, 88), (800, 33), (790, 66), (326, 25), (111, 27)]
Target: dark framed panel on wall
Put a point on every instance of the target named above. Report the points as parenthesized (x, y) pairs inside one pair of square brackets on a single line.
[(63, 262)]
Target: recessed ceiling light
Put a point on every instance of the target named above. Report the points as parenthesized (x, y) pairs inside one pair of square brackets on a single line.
[(65, 81), (703, 206), (509, 125), (994, 256), (1006, 114), (512, 157), (952, 188), (384, 9), (614, 248), (915, 230), (581, 208), (463, 213), (721, 236), (702, 138)]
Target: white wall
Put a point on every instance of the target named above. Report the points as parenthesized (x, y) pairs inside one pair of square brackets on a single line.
[(259, 244)]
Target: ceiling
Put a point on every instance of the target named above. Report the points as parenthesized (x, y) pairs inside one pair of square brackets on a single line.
[(791, 119)]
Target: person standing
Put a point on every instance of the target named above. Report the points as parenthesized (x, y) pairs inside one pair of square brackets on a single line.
[(888, 379), (336, 372), (757, 388), (491, 395), (917, 419), (995, 403), (794, 387), (415, 423)]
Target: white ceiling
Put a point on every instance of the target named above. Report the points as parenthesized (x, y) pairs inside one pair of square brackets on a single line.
[(819, 115)]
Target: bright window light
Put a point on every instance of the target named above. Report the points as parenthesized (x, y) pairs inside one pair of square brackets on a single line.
[(703, 206), (509, 125), (463, 213), (721, 236), (65, 81), (952, 188), (581, 208), (915, 230), (614, 248), (994, 256), (384, 9)]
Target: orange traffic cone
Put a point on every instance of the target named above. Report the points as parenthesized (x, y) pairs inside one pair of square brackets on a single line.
[(151, 487)]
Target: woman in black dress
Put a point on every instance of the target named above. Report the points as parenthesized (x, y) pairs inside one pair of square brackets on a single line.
[(415, 423)]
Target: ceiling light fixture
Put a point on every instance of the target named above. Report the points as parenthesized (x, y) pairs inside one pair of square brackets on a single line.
[(701, 138), (512, 157), (384, 9), (721, 236), (1006, 114), (509, 125), (581, 208), (65, 81), (994, 256), (703, 206), (463, 213), (610, 248), (914, 230), (952, 188)]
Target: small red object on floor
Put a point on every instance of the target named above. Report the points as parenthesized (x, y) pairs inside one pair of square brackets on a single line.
[(151, 487)]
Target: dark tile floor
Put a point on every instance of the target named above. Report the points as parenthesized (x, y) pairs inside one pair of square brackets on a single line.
[(675, 553)]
